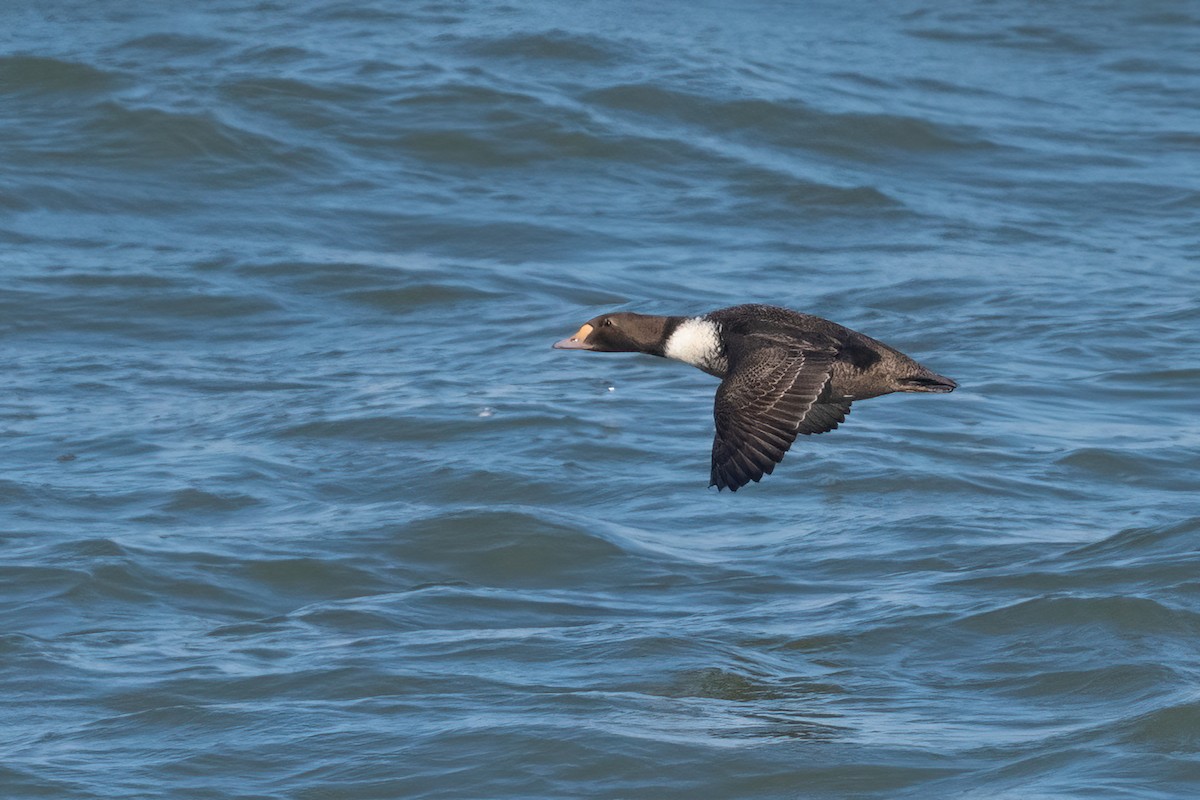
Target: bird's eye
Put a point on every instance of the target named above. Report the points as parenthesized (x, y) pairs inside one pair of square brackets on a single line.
[(607, 323)]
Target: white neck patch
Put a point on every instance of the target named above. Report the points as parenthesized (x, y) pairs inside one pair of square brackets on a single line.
[(697, 341)]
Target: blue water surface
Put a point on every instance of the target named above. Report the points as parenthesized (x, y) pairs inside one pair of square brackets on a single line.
[(299, 503)]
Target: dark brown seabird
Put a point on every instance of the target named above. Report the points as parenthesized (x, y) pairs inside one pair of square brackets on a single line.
[(782, 373)]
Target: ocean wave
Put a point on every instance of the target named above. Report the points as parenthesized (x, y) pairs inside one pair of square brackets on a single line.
[(1174, 540), (553, 45), (791, 123), (187, 44), (509, 547), (1085, 617), (41, 76), (150, 138)]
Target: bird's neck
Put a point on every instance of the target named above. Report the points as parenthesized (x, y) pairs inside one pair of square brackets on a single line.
[(695, 341)]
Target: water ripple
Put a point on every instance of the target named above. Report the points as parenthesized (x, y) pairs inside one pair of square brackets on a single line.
[(299, 502)]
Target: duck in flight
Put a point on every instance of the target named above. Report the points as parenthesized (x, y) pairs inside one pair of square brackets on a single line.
[(782, 373)]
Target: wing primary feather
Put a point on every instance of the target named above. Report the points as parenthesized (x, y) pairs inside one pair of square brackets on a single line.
[(768, 397)]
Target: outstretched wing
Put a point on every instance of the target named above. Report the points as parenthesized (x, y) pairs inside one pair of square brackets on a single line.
[(769, 395)]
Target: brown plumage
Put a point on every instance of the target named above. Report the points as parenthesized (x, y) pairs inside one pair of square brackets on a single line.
[(783, 374)]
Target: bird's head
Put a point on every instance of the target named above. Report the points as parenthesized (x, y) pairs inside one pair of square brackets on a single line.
[(619, 332)]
